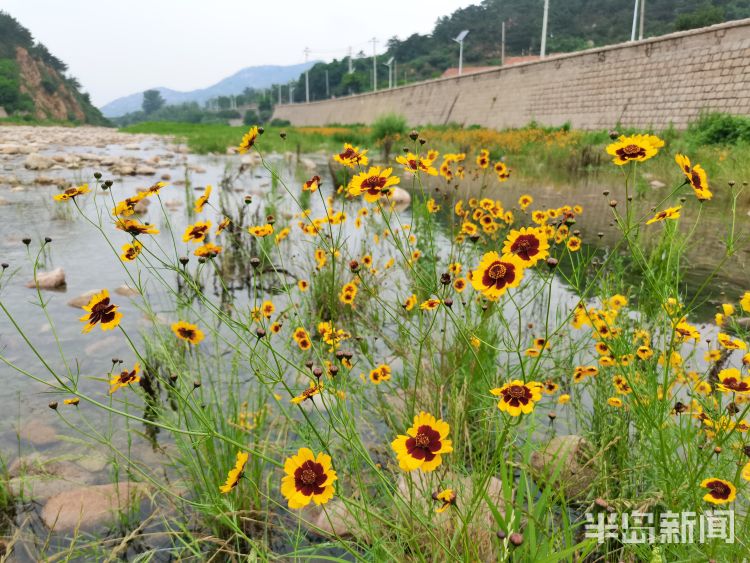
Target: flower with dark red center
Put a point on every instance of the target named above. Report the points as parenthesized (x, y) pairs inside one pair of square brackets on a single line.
[(424, 444), (696, 177), (495, 274), (196, 232), (307, 478), (101, 311), (373, 183), (124, 378), (529, 244), (719, 491), (732, 381), (517, 397), (187, 331), (351, 156), (634, 147)]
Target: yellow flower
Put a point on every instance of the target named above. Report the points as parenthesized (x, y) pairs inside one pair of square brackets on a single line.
[(730, 343), (351, 156), (502, 171), (447, 499), (414, 163), (72, 401), (483, 159), (495, 274), (261, 230), (746, 471), (634, 147), (235, 474), (719, 491), (135, 228), (745, 302), (208, 250), (187, 331), (307, 478), (614, 402), (124, 378), (432, 206), (517, 397), (312, 184), (196, 232), (563, 399), (101, 311), (131, 251), (696, 177), (202, 200), (529, 244), (430, 304), (72, 193), (310, 392), (248, 139), (374, 183), (410, 302), (222, 225), (669, 213), (380, 374), (423, 445)]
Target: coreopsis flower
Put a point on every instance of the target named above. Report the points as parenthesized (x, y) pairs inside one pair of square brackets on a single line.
[(669, 213), (517, 397), (573, 244), (563, 399), (550, 387), (730, 343), (447, 499), (154, 189), (135, 228), (235, 474), (100, 311), (261, 230), (502, 171), (745, 302), (483, 159), (351, 156), (732, 382), (684, 331), (267, 309), (202, 200), (468, 228), (719, 491), (73, 401), (126, 207), (188, 332), (430, 304), (495, 274), (307, 478), (634, 148), (615, 402), (459, 284), (223, 224), (432, 206), (410, 302), (196, 232), (314, 389), (312, 184), (414, 163), (374, 183), (529, 244), (131, 251), (348, 293), (380, 374), (524, 201), (208, 250), (424, 444), (72, 193), (248, 140), (539, 217), (303, 285), (582, 372), (746, 471), (696, 177), (621, 385), (702, 388), (124, 378)]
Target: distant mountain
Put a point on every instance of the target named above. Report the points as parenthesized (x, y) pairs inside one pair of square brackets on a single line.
[(252, 77)]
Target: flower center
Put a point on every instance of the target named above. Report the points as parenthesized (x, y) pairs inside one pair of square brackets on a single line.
[(516, 391), (719, 490), (308, 477), (497, 271), (374, 182), (422, 440), (632, 149)]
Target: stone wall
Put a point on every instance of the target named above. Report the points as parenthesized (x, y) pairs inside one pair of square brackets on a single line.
[(651, 83)]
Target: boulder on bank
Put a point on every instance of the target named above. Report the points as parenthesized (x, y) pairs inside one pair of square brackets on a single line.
[(567, 463), (83, 299), (53, 279), (36, 161)]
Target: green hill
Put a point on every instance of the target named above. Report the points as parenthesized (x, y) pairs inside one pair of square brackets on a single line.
[(573, 25), (33, 82)]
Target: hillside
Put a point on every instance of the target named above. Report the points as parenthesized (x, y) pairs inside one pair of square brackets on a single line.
[(255, 77), (33, 82), (573, 25)]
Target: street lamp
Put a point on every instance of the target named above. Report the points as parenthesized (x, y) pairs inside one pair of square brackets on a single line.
[(460, 40), (389, 64)]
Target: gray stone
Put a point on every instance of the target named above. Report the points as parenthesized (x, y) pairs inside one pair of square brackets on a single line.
[(565, 463), (53, 279), (90, 507)]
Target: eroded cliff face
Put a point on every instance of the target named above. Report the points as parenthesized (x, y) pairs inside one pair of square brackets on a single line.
[(53, 98)]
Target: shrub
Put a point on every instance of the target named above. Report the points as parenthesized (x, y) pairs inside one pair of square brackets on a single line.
[(720, 129)]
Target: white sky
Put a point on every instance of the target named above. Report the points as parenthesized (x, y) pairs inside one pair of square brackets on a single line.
[(115, 48)]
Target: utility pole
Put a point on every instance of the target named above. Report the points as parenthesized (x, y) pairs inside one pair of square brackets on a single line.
[(635, 20), (643, 13), (460, 40), (328, 90), (291, 92), (350, 61), (389, 64), (543, 50), (307, 76), (395, 73), (374, 65), (502, 45), (279, 94)]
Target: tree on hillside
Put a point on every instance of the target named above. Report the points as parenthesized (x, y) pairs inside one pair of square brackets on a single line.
[(152, 101)]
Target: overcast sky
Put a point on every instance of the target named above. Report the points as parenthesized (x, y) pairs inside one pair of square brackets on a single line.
[(116, 48)]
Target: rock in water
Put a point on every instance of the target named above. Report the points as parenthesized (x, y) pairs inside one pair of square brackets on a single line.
[(400, 198), (566, 463), (49, 280), (83, 299), (90, 507), (36, 161)]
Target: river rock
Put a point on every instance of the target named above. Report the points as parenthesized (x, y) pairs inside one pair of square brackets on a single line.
[(4, 201), (38, 433), (144, 170), (36, 161), (126, 291), (173, 204), (566, 463), (91, 506), (400, 197), (166, 177), (35, 477), (141, 207), (53, 279), (656, 184), (83, 299), (307, 164)]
